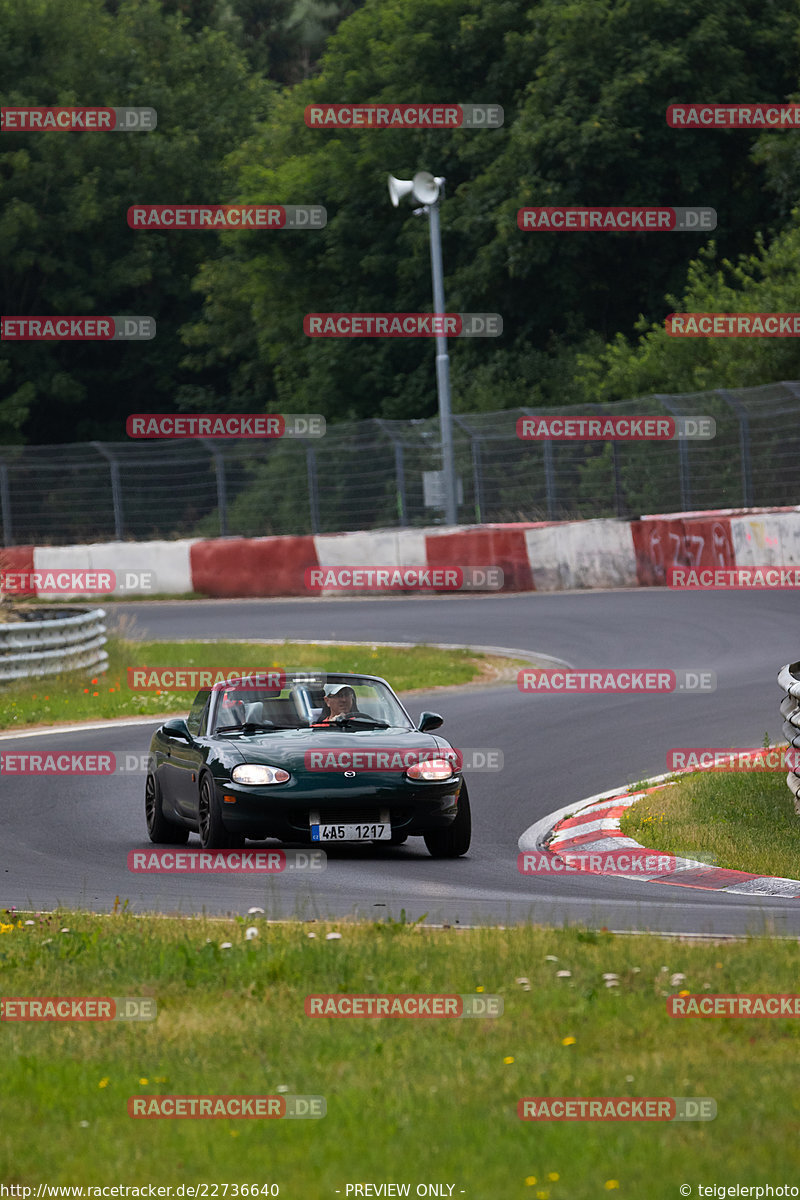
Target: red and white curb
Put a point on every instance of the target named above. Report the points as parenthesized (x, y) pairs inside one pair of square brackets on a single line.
[(592, 827)]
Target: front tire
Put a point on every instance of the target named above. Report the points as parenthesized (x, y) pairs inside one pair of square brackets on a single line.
[(453, 841), (158, 827), (213, 834)]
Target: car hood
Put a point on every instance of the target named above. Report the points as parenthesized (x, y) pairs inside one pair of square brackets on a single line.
[(287, 748)]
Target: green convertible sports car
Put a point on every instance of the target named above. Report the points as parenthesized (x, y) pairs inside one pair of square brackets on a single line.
[(305, 758)]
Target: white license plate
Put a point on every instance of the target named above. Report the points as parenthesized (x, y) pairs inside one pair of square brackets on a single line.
[(380, 832)]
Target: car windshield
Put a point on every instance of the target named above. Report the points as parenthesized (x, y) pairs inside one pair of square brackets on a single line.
[(343, 703)]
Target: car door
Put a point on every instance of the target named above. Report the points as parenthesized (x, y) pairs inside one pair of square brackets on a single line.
[(183, 761)]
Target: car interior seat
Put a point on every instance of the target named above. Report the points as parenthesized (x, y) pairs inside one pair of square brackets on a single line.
[(319, 708)]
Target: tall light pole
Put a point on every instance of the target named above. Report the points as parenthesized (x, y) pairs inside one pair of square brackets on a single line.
[(427, 190)]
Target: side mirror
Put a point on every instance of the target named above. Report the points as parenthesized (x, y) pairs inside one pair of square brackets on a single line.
[(429, 720), (177, 729)]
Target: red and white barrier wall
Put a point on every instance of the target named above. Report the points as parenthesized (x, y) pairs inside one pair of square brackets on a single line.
[(534, 556)]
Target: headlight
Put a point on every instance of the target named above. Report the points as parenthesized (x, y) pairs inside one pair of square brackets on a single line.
[(254, 773), (432, 769)]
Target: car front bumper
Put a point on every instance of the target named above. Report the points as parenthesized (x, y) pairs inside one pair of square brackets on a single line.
[(284, 810)]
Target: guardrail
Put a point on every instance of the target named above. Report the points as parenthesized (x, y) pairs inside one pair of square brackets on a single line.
[(29, 649), (789, 680)]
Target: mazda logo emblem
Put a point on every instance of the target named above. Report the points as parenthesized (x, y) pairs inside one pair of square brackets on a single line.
[(349, 774)]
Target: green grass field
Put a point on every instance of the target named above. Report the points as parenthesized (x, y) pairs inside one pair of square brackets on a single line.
[(745, 820), (78, 697), (408, 1100)]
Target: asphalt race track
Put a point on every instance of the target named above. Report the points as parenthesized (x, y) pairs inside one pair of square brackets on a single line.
[(66, 840)]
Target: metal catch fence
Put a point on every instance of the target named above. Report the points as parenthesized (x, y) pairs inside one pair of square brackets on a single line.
[(383, 473)]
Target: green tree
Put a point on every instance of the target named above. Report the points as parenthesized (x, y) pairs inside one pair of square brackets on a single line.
[(65, 244), (310, 21), (585, 87), (767, 280), (283, 39)]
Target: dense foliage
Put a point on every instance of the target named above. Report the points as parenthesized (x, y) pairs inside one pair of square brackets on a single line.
[(584, 86)]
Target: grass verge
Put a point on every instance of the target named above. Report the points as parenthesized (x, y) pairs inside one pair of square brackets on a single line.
[(408, 1100), (74, 697), (745, 820)]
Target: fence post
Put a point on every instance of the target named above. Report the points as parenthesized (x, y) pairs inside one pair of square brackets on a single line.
[(400, 478), (399, 472), (549, 479), (5, 505), (617, 478), (477, 477), (549, 467), (477, 474), (313, 493), (222, 493), (744, 445), (116, 488), (683, 456)]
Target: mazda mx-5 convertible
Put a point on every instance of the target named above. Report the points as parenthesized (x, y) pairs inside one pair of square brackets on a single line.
[(307, 759)]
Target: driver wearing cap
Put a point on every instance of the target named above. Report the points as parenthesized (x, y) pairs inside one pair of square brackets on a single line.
[(340, 700)]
